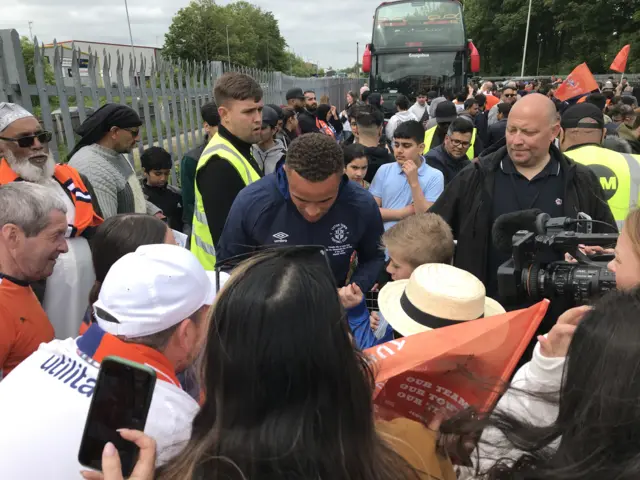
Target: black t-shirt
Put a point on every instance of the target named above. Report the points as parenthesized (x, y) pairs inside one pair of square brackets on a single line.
[(512, 192), (219, 183)]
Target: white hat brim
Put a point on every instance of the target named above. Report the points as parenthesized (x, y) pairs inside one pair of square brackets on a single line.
[(389, 303), (210, 297)]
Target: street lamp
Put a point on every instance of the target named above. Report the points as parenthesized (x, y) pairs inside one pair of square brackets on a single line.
[(126, 7), (526, 37), (228, 49)]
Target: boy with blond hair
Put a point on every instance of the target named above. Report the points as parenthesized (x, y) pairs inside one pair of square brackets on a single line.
[(414, 241)]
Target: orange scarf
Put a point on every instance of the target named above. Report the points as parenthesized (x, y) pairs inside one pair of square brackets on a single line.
[(69, 179), (97, 344)]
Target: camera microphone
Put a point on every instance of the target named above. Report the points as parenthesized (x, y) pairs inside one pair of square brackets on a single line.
[(507, 225)]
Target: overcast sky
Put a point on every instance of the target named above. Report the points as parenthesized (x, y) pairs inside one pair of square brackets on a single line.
[(318, 30)]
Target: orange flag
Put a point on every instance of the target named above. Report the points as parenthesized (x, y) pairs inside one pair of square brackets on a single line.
[(451, 368), (620, 62), (579, 82)]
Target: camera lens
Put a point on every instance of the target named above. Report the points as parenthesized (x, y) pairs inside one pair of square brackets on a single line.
[(578, 283)]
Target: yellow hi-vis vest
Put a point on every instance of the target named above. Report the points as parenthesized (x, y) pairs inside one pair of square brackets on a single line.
[(201, 241), (428, 138), (619, 175)]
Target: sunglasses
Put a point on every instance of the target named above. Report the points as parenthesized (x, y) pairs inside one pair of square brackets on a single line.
[(297, 252), (133, 131), (510, 95), (29, 140)]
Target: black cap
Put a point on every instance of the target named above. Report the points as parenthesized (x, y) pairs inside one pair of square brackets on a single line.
[(295, 93), (269, 117), (277, 109), (446, 112), (574, 115), (431, 94)]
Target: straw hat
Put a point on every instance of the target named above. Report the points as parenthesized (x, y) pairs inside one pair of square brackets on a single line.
[(436, 295)]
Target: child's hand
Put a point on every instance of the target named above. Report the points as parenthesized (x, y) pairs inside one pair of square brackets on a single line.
[(350, 296), (374, 320), (410, 169)]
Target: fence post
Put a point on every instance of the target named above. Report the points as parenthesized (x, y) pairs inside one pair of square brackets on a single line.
[(176, 119), (16, 74), (134, 94), (62, 96), (193, 122), (145, 101), (106, 75), (77, 83), (157, 110), (4, 83), (45, 107), (93, 80)]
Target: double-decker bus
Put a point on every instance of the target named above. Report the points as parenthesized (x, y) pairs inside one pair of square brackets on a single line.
[(418, 46)]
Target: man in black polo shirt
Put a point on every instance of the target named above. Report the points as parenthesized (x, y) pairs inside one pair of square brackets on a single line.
[(529, 172)]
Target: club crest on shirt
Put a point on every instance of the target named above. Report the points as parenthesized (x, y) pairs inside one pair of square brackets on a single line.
[(339, 233)]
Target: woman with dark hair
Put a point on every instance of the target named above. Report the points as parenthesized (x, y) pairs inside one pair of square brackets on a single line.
[(592, 430), (327, 121), (352, 99), (287, 395), (117, 236)]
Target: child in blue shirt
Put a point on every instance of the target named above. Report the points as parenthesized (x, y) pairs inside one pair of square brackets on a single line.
[(416, 240), (408, 185)]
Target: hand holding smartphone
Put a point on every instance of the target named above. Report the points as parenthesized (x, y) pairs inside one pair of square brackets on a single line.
[(121, 399)]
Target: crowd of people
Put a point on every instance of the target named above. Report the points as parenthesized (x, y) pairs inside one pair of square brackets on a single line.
[(313, 235)]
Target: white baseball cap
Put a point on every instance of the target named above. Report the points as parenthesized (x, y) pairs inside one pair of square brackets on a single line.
[(153, 289)]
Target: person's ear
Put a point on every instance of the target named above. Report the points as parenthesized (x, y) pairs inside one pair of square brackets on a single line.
[(604, 135), (421, 146)]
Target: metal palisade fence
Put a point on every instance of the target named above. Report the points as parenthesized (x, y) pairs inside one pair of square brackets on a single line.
[(167, 94)]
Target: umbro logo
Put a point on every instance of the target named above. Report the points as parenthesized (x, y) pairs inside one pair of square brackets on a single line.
[(280, 237)]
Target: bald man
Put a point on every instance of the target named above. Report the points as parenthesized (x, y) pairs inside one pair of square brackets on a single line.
[(529, 172)]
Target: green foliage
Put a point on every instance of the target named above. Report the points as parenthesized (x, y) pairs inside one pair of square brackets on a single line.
[(569, 31), (199, 32), (28, 53)]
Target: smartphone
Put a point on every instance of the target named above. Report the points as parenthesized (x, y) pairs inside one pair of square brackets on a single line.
[(121, 399)]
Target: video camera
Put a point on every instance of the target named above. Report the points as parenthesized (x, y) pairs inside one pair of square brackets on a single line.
[(537, 269)]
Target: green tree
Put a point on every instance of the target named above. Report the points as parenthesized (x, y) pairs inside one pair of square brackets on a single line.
[(564, 32), (199, 32), (28, 53)]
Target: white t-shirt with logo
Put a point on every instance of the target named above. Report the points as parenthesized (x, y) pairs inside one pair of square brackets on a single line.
[(43, 408)]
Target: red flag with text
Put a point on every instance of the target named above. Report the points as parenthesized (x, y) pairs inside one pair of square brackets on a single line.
[(579, 82), (620, 62), (451, 368)]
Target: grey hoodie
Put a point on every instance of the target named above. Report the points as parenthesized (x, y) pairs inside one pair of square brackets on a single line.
[(269, 159)]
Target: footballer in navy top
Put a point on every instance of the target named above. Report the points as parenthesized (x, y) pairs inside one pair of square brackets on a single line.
[(264, 214)]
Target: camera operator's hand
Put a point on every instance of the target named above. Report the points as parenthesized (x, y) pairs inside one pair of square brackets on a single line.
[(589, 250), (556, 343), (350, 296)]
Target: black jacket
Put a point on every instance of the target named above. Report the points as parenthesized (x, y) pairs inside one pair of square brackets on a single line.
[(307, 122), (497, 132), (440, 159), (466, 205), (377, 157), (482, 124)]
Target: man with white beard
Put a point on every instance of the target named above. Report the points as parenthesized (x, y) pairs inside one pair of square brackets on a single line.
[(25, 156)]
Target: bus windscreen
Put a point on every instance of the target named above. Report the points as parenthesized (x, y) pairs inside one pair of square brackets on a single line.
[(419, 24)]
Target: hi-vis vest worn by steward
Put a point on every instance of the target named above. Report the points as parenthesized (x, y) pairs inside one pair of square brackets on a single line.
[(428, 138), (619, 175), (201, 242), (70, 180)]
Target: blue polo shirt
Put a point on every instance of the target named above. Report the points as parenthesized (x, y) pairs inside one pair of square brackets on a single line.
[(391, 185)]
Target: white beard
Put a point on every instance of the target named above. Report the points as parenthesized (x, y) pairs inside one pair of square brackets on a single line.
[(30, 172)]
